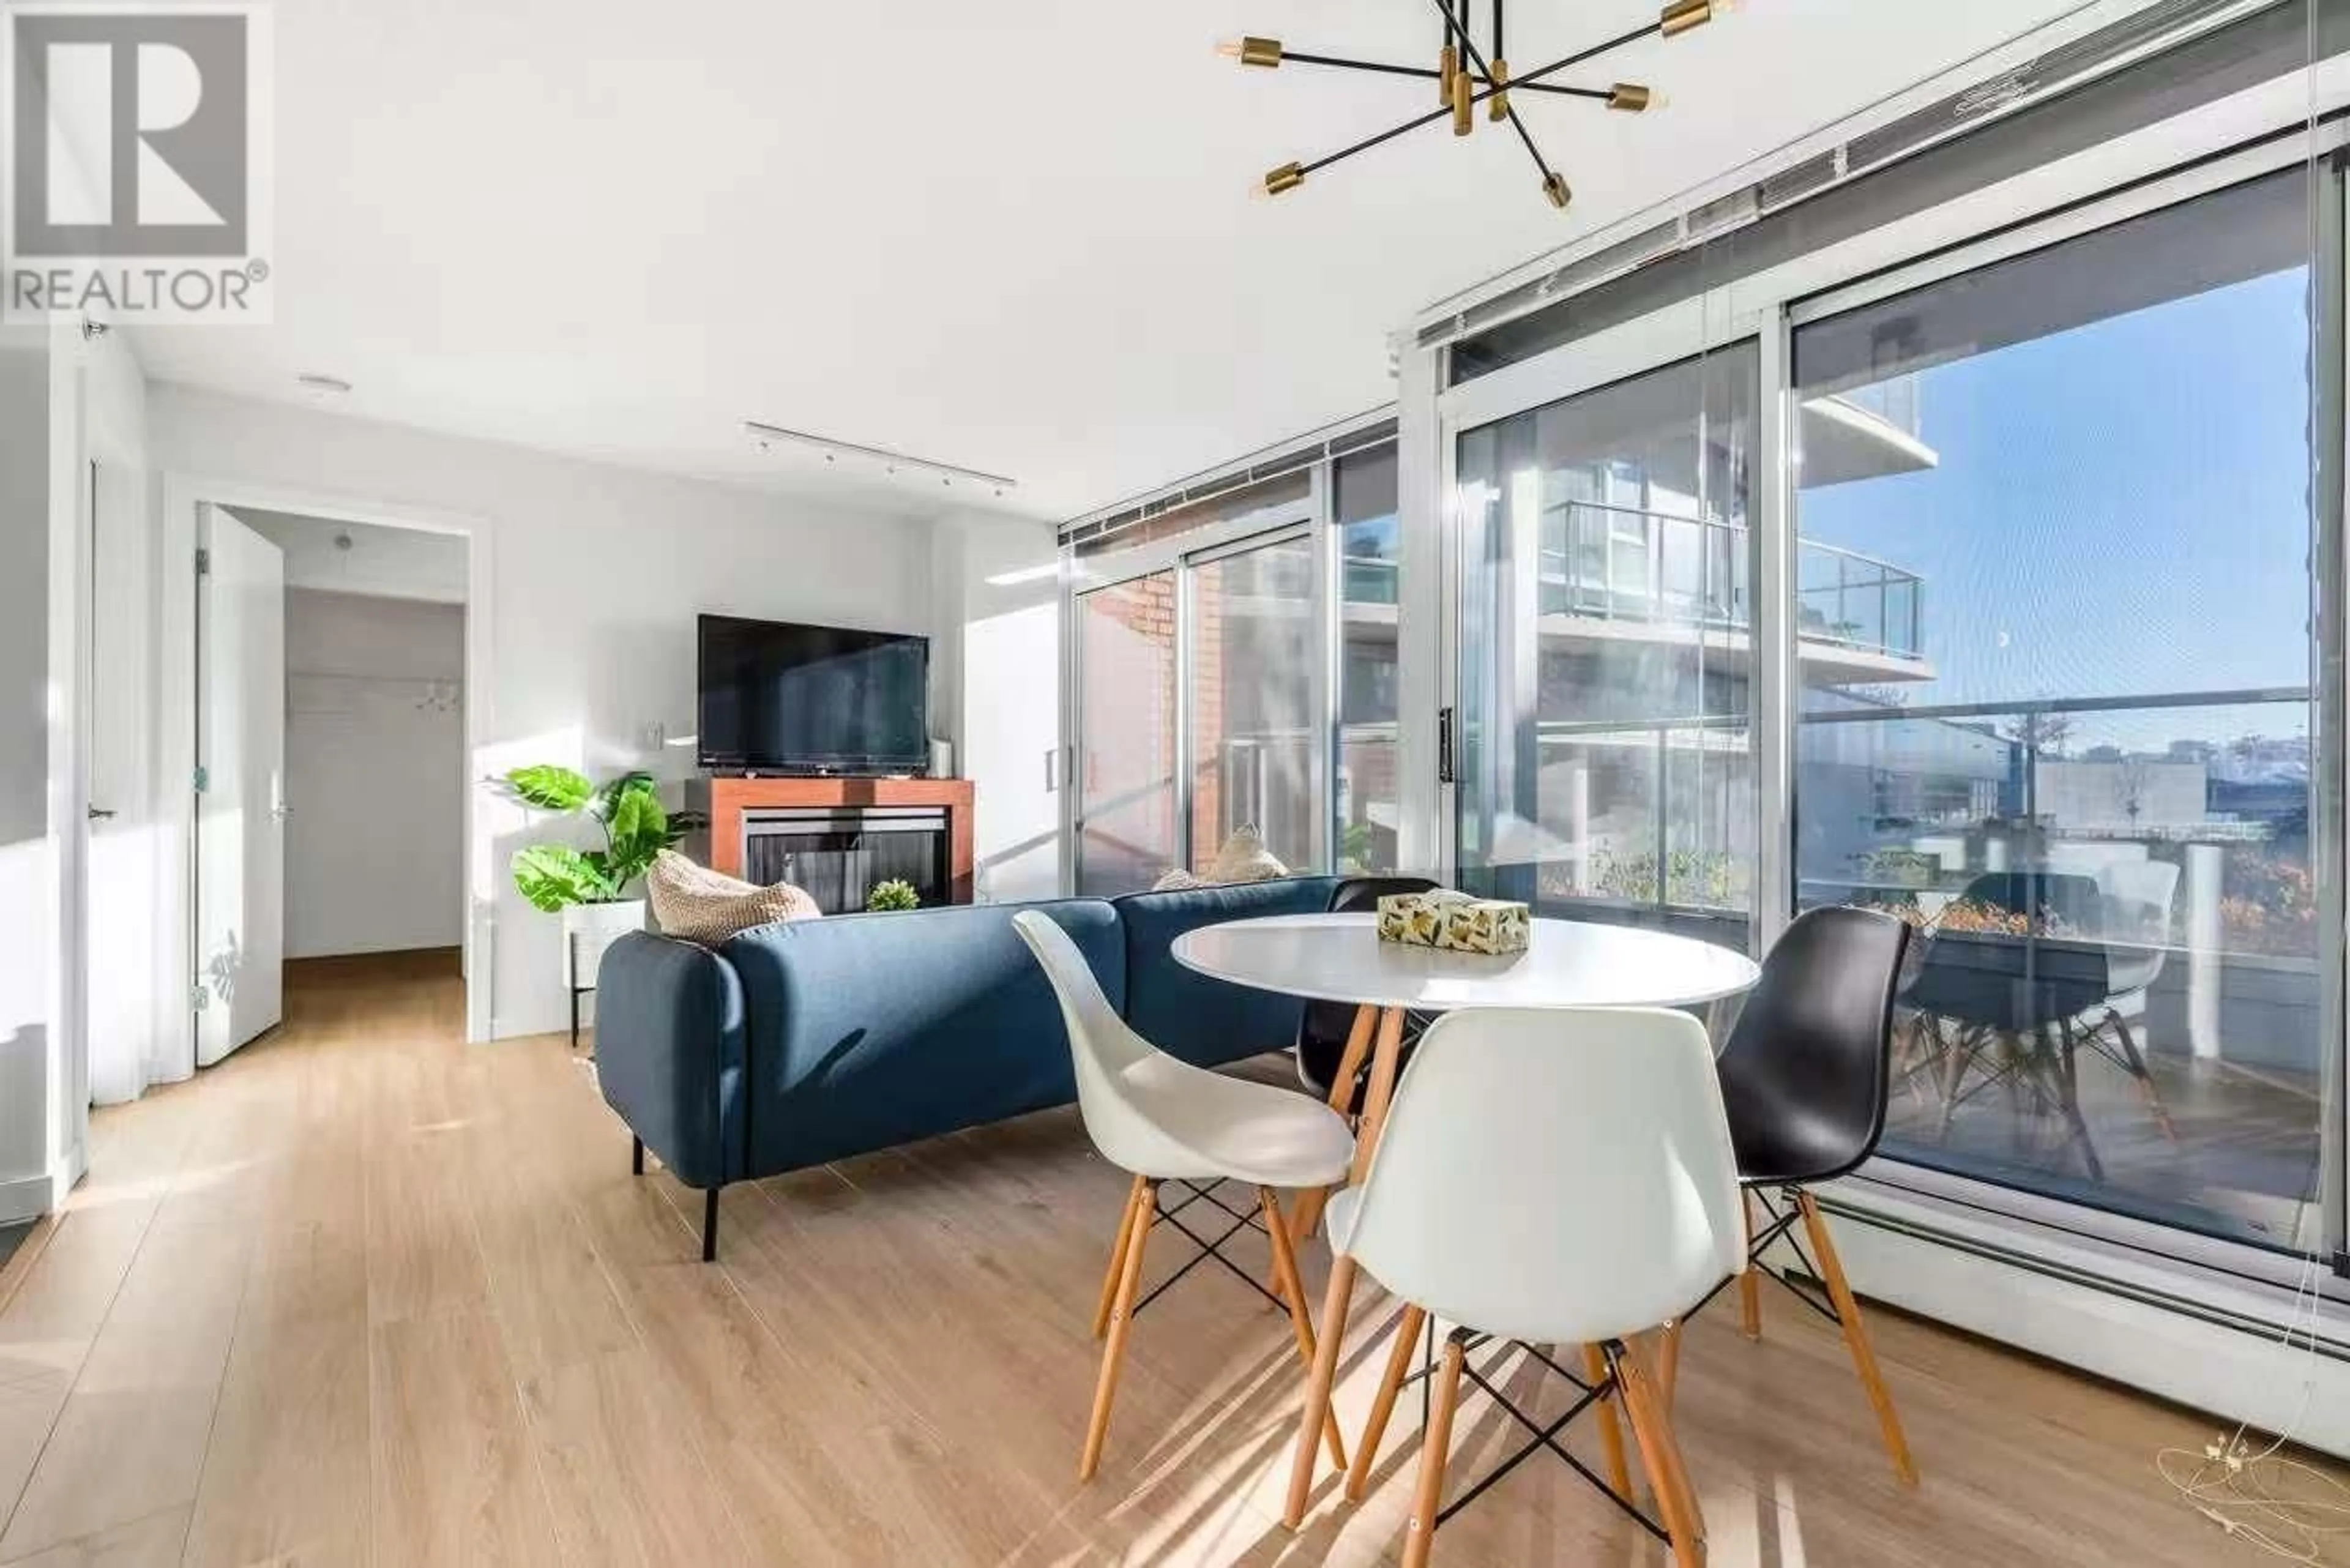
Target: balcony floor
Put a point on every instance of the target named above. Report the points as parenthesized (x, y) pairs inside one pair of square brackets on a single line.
[(2244, 1164)]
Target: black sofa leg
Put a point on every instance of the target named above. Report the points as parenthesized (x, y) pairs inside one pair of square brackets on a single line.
[(710, 1225), (637, 1157)]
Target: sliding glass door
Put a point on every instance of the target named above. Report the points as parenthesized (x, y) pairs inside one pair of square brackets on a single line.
[(1202, 638), (1249, 659), (1125, 796), (2056, 707), (1605, 654), (1995, 593)]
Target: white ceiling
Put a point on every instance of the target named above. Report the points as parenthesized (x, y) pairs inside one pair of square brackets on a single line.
[(1017, 238), (363, 557)]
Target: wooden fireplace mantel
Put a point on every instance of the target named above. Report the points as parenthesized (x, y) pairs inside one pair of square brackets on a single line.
[(728, 798)]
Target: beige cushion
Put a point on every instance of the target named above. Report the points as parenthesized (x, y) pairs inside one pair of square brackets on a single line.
[(1243, 858), (695, 904)]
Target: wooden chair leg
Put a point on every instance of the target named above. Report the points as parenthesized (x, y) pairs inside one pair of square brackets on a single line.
[(1121, 1320), (1293, 1288), (1118, 1256), (1668, 1362), (2137, 1062), (1342, 1095), (1660, 1454), (1855, 1339), (1384, 1061), (1428, 1498), (1335, 1304), (1749, 1283), (1366, 1447), (1611, 1430)]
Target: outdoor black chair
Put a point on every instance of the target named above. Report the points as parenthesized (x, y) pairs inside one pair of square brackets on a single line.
[(2006, 1008)]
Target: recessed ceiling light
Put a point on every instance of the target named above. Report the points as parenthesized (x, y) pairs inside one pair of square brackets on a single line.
[(311, 380)]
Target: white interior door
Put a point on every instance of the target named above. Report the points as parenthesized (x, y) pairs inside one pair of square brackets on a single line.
[(241, 801), (126, 902)]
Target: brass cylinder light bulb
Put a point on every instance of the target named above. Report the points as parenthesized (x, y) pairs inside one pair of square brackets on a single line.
[(1680, 16), (1265, 52), (1288, 176), (1464, 110), (1555, 187), (1498, 106), (1629, 96)]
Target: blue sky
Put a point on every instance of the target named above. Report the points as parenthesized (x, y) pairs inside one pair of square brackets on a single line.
[(2119, 509)]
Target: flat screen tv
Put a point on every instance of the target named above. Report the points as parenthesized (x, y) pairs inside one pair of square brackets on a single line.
[(778, 698)]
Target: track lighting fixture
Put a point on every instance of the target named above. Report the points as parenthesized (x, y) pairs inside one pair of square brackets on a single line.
[(1467, 74)]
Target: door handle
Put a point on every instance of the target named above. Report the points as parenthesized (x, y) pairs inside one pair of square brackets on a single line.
[(100, 814)]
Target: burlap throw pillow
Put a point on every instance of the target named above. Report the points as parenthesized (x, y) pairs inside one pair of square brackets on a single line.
[(1243, 858), (695, 904)]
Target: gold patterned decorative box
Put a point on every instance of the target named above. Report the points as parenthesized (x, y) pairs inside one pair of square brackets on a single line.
[(1444, 918)]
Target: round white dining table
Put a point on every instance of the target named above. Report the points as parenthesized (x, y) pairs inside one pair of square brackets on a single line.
[(1566, 964)]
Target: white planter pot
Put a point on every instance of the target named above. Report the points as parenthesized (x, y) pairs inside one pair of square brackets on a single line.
[(588, 929)]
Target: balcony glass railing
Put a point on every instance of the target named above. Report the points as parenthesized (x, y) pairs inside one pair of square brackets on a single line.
[(1621, 563), (1370, 581)]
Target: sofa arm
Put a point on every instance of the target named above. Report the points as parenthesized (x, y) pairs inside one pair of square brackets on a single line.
[(669, 1054)]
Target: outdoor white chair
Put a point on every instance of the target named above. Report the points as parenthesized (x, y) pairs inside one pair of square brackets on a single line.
[(1549, 1180), (1164, 1120)]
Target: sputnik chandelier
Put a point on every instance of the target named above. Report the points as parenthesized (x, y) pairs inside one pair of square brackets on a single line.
[(1467, 74)]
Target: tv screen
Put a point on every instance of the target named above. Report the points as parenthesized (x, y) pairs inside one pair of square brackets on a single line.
[(813, 698)]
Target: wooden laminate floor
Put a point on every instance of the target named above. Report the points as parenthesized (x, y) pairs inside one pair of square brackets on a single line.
[(365, 1295)]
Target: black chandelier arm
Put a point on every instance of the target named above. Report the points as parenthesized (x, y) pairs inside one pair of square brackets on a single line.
[(1469, 51), (1500, 50), (1370, 141), (1654, 29), (1292, 57)]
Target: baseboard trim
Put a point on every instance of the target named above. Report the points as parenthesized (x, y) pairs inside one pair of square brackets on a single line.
[(2210, 1346), (27, 1197), (20, 1266)]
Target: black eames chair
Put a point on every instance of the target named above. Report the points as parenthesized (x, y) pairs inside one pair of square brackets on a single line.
[(1333, 1039), (1326, 1038), (1804, 1079)]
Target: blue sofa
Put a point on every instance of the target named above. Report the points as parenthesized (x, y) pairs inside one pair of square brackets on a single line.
[(810, 1041)]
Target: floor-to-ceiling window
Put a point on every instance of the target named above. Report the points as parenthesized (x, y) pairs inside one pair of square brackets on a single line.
[(2054, 705), (1605, 650), (1236, 663), (1370, 571)]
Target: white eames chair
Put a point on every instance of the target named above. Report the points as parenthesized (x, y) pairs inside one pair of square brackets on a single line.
[(1549, 1180), (1162, 1120)]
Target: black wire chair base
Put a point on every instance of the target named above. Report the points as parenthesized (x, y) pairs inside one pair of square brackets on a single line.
[(1162, 1214), (1807, 1288), (1546, 1434)]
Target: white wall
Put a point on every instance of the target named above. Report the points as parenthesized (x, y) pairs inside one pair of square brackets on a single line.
[(996, 675), (64, 402), (598, 571), (26, 907), (375, 772)]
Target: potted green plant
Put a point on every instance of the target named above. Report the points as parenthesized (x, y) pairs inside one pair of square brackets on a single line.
[(896, 893), (590, 888)]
